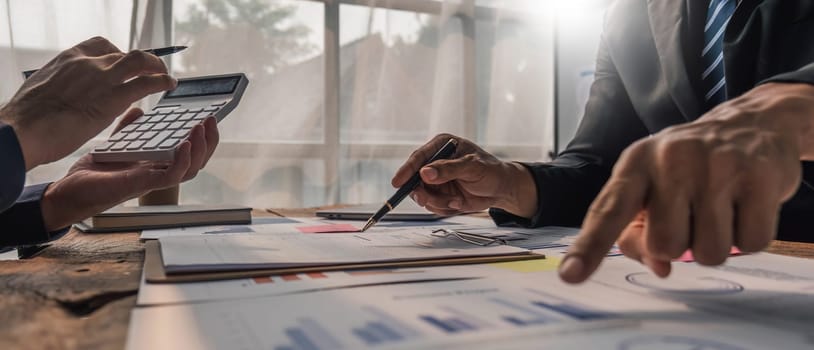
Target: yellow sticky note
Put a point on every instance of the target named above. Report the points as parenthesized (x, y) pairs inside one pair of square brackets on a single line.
[(536, 265)]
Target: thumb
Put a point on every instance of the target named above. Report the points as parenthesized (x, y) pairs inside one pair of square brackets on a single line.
[(610, 213), (468, 168), (128, 117)]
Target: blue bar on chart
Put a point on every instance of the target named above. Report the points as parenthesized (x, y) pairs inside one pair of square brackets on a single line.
[(385, 331), (573, 311), (524, 322), (392, 323), (531, 316), (309, 336), (367, 337), (568, 308), (449, 325), (478, 323), (300, 340), (374, 333)]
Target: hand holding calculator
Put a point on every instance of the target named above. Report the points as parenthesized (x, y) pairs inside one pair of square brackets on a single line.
[(156, 135)]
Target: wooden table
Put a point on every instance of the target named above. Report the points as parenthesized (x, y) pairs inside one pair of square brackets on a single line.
[(78, 293)]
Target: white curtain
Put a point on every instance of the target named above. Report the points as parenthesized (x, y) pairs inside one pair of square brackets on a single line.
[(407, 69), (34, 31)]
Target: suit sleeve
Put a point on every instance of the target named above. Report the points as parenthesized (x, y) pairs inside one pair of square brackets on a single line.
[(567, 185), (12, 167), (22, 223), (802, 75)]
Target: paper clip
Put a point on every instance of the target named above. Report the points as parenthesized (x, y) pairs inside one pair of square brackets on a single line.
[(471, 238)]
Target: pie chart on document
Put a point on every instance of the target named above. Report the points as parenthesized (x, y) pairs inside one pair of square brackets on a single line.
[(677, 284)]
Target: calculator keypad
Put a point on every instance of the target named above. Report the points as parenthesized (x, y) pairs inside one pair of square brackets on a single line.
[(160, 129)]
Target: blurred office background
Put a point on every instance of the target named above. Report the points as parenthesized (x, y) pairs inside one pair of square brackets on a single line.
[(341, 91)]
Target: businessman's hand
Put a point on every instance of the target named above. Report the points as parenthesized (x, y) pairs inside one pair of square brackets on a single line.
[(632, 242), (471, 180), (705, 186), (77, 95), (90, 188)]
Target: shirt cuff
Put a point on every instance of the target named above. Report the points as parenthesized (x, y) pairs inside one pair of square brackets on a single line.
[(23, 223), (12, 175), (505, 218)]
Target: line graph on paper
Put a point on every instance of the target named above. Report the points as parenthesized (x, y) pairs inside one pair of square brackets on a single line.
[(684, 284)]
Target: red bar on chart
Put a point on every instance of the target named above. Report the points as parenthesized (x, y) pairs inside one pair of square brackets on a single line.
[(333, 228), (288, 278), (262, 280)]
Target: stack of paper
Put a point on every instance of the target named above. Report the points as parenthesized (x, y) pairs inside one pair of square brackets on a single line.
[(246, 252), (285, 246)]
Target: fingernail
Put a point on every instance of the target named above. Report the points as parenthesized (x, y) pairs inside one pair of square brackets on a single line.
[(417, 199), (656, 266), (429, 173), (456, 204), (571, 268)]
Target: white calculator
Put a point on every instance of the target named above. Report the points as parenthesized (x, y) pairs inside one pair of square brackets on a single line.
[(156, 135)]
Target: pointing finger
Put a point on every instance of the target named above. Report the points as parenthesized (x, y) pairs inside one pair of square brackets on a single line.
[(617, 204)]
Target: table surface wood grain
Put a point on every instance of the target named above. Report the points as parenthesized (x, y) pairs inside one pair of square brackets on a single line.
[(78, 292)]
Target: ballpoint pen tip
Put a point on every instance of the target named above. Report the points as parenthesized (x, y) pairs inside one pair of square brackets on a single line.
[(369, 223)]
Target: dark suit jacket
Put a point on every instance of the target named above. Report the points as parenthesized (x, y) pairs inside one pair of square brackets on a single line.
[(648, 78), (20, 212)]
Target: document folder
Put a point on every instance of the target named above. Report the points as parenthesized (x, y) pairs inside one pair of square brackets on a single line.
[(154, 271)]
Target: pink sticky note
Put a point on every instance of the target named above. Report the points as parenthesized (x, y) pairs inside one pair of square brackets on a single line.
[(687, 256), (336, 228)]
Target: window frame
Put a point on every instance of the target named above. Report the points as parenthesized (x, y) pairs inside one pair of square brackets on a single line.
[(330, 149)]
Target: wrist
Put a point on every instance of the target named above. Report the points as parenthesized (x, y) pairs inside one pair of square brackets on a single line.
[(29, 146), (786, 109), (519, 195), (50, 212), (28, 143), (802, 116), (61, 209)]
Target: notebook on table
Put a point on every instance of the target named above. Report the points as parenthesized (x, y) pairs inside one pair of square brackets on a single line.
[(121, 219)]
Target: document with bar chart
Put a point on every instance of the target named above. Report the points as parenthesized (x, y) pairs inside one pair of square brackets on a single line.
[(151, 294), (525, 308)]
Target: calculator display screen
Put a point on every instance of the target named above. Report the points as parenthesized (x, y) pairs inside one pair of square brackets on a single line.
[(204, 87)]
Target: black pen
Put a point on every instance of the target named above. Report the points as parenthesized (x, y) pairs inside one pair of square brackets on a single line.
[(445, 152), (161, 51)]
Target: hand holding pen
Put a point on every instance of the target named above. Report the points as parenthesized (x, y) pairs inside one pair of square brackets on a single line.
[(472, 180), (445, 152), (162, 51), (77, 95)]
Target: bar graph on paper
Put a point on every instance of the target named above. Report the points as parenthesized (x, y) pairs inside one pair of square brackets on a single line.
[(450, 320), (382, 328)]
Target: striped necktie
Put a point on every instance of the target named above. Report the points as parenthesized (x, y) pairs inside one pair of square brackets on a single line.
[(714, 81)]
